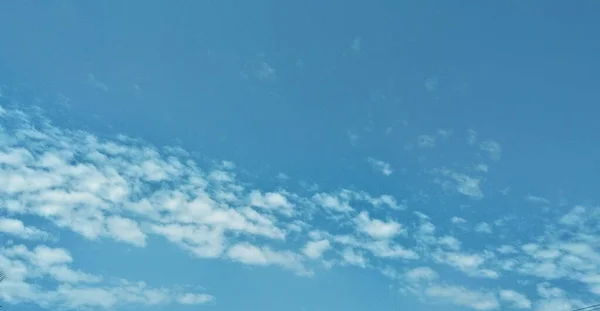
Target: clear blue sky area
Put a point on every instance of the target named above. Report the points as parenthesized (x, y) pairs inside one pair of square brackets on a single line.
[(299, 155)]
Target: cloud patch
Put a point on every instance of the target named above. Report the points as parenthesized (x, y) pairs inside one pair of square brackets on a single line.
[(383, 167)]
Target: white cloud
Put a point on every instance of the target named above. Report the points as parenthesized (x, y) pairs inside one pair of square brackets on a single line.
[(123, 190), (352, 137), (507, 249), (444, 133), (426, 141), (481, 167), (354, 258), (315, 249), (381, 166), (515, 299), (16, 228), (271, 201), (265, 72), (420, 274), (483, 227), (64, 274), (471, 137), (458, 220), (386, 249), (74, 289), (264, 256), (377, 229), (461, 296), (471, 264), (385, 199), (356, 44), (126, 230), (450, 242), (431, 84), (492, 148), (195, 299), (575, 217), (203, 241), (332, 202), (93, 81), (536, 199), (461, 183)]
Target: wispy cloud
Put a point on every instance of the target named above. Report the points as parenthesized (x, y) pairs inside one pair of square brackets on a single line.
[(431, 84), (77, 289), (377, 229), (352, 137), (356, 43), (516, 300), (93, 81), (461, 183), (265, 72), (426, 141), (16, 228), (483, 227), (471, 136), (536, 199), (458, 220), (461, 296), (127, 191), (492, 148), (381, 166)]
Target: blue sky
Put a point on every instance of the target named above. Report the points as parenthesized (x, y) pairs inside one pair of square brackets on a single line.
[(308, 155)]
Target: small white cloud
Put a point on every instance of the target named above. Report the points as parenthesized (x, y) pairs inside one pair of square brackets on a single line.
[(426, 141), (265, 72), (450, 242), (536, 199), (64, 274), (483, 227), (431, 84), (356, 43), (507, 249), (471, 137), (282, 176), (315, 249), (492, 148), (444, 133), (352, 137), (263, 256), (461, 183), (195, 299), (271, 201), (16, 228), (388, 200), (353, 258), (96, 83), (515, 299), (45, 256), (471, 264), (386, 249), (457, 220), (381, 166), (575, 217), (481, 167), (126, 230), (461, 296), (202, 241), (421, 274), (375, 228), (332, 202)]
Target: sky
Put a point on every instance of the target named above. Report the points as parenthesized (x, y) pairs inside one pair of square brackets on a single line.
[(299, 155)]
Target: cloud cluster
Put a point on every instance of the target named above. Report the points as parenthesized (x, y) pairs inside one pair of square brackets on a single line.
[(126, 191), (76, 289)]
